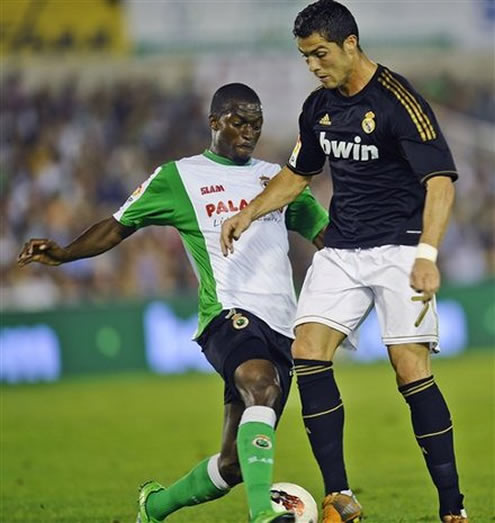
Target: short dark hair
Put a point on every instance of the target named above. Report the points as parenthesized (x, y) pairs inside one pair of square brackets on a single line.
[(229, 94), (330, 19)]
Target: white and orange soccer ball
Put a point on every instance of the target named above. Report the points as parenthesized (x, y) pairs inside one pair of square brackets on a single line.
[(289, 496)]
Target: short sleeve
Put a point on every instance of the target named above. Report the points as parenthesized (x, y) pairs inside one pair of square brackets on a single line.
[(307, 158), (421, 140), (152, 203), (306, 216)]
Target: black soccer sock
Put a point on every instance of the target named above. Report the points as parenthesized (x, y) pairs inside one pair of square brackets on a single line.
[(323, 415), (434, 434)]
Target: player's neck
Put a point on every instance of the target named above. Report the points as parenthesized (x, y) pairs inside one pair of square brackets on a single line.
[(226, 157), (360, 76)]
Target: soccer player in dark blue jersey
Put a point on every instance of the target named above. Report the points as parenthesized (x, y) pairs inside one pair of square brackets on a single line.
[(392, 176)]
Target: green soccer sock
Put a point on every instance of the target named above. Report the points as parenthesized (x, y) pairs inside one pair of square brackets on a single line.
[(256, 448), (203, 483)]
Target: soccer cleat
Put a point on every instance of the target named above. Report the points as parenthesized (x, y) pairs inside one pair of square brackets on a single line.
[(270, 516), (146, 489), (339, 508), (456, 518)]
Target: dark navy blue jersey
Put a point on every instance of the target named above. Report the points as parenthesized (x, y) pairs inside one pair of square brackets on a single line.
[(382, 145)]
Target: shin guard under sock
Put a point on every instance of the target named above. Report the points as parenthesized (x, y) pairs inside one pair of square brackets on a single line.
[(323, 415), (433, 430)]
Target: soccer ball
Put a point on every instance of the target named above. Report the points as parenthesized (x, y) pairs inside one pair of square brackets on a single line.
[(292, 497)]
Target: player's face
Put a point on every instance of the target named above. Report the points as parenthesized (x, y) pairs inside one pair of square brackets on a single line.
[(236, 132), (328, 61)]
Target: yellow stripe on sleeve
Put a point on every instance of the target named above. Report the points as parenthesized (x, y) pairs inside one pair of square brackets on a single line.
[(423, 131), (422, 115)]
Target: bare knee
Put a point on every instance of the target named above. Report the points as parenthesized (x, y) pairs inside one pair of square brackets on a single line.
[(303, 348), (411, 362), (230, 470), (258, 383), (315, 341)]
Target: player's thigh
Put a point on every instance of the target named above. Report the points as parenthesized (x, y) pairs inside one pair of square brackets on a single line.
[(280, 353), (263, 373), (228, 343), (333, 295), (316, 341), (410, 361), (397, 313)]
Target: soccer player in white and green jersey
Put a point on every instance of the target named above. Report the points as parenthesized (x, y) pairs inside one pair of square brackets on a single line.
[(246, 302)]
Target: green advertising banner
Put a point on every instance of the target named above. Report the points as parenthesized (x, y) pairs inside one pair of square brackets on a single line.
[(478, 302), (156, 335)]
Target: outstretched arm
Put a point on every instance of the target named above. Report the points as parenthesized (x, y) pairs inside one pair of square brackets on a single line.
[(425, 276), (100, 237), (281, 190)]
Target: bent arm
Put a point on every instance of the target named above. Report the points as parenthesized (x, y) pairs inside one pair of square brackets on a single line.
[(306, 216), (99, 238), (440, 194), (282, 189), (425, 276)]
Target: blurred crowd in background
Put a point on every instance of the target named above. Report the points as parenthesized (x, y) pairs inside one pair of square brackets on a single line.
[(69, 159)]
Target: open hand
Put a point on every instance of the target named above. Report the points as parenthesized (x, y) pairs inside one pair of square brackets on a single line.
[(43, 251), (232, 230)]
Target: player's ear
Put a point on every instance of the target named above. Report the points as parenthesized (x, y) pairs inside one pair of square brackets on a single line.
[(351, 44), (213, 122)]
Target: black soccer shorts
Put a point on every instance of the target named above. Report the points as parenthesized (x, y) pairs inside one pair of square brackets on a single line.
[(236, 336)]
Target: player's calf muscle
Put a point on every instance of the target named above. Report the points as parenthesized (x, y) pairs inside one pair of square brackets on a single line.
[(230, 470)]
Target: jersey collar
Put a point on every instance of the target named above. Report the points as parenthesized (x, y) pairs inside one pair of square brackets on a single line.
[(356, 97), (222, 160)]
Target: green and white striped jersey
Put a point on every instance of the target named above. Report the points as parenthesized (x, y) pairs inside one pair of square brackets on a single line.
[(195, 195)]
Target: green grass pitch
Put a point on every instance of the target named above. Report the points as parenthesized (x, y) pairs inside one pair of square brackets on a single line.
[(75, 451)]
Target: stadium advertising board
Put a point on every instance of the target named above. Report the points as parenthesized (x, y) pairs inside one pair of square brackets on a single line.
[(44, 346)]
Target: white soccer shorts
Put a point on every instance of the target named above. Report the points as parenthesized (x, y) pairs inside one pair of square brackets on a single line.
[(343, 285)]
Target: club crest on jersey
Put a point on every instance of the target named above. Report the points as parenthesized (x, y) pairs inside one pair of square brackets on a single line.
[(262, 442), (325, 120), (368, 124)]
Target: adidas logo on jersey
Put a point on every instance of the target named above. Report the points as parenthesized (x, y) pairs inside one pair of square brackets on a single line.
[(348, 150), (325, 120)]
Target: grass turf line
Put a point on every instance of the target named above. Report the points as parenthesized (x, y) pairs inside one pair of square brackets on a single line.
[(75, 451)]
